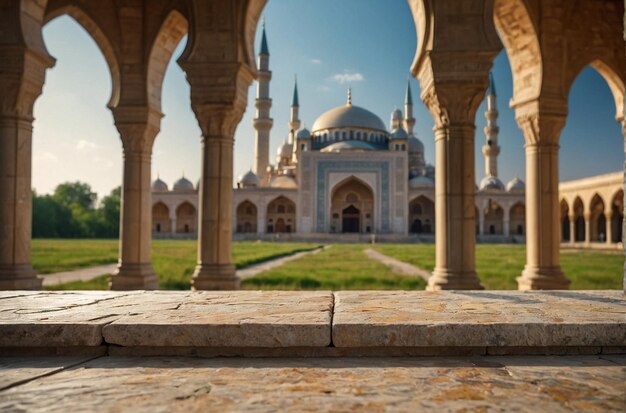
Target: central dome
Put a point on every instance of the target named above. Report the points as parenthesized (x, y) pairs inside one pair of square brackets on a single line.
[(348, 116)]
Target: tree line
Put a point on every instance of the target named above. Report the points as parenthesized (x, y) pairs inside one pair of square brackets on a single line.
[(72, 211)]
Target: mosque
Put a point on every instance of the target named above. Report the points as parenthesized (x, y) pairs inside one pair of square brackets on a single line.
[(351, 174)]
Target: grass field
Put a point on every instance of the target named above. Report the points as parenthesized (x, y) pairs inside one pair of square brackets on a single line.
[(343, 266), (498, 265), (173, 261), (340, 267)]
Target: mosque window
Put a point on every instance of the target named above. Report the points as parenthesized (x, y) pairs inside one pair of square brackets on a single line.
[(343, 135), (158, 228), (270, 229), (336, 135), (520, 230), (336, 215), (303, 147), (368, 229), (368, 216), (492, 229), (351, 134), (403, 147), (281, 209), (358, 135)]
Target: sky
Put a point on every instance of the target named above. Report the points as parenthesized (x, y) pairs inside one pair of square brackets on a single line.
[(330, 45)]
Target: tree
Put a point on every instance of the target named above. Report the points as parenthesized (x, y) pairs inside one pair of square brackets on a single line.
[(109, 214), (75, 195)]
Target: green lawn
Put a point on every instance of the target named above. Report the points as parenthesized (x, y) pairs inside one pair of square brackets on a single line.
[(498, 265), (173, 260), (340, 267), (343, 266)]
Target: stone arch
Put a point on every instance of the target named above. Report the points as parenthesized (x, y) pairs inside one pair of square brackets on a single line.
[(516, 28), (421, 215), (579, 219), (565, 220), (172, 30), (246, 217), (281, 215), (615, 82), (186, 218), (104, 43), (617, 216), (352, 206), (517, 219), (161, 222), (494, 218), (597, 219)]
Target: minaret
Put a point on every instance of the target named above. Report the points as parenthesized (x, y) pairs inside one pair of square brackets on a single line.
[(491, 149), (263, 123), (409, 120), (294, 120)]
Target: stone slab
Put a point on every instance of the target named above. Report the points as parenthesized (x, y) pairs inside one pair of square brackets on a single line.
[(162, 384), (19, 370), (475, 318), (229, 319)]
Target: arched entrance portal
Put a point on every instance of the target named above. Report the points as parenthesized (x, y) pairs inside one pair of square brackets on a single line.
[(421, 215), (352, 207), (281, 215), (246, 217)]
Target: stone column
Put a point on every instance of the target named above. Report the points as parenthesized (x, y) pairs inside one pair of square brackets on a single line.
[(261, 216), (587, 217), (572, 229), (609, 227), (215, 269), (173, 225), (481, 221), (23, 63), (138, 126), (506, 221), (541, 128)]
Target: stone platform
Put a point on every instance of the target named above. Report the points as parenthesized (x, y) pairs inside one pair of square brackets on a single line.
[(313, 324)]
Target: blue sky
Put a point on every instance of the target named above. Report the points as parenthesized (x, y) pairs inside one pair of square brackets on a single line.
[(331, 45)]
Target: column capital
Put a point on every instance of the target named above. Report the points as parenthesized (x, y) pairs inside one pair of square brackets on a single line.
[(541, 120), (138, 127), (218, 121)]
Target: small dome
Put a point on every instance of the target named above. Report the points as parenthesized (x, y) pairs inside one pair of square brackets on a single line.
[(399, 133), (249, 180), (491, 183), (183, 185), (159, 186), (284, 150), (421, 182), (303, 134), (516, 185), (415, 145), (347, 146), (283, 181), (396, 114)]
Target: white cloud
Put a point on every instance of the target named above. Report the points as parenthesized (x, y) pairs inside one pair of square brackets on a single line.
[(85, 146), (47, 157), (316, 61), (348, 77)]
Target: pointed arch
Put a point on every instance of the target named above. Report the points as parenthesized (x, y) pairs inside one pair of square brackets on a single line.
[(186, 220), (421, 215), (161, 218), (517, 31), (597, 218), (169, 35), (281, 215), (352, 206), (246, 217), (100, 36), (517, 219), (494, 218)]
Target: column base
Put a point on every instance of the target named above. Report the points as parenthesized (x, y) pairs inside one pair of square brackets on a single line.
[(537, 278), (134, 277), (215, 277), (446, 280), (19, 277)]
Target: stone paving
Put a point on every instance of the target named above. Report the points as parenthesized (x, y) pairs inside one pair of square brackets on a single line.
[(83, 274), (180, 384)]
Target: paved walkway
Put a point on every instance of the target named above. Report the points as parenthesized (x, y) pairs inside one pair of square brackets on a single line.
[(83, 274), (181, 384), (253, 270), (397, 265)]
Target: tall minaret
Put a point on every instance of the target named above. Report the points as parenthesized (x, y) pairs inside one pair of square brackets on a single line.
[(409, 120), (263, 123), (294, 120), (491, 149)]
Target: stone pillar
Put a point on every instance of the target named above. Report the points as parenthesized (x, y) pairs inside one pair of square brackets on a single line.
[(23, 63), (541, 128), (609, 227), (138, 126), (260, 218), (572, 229), (587, 217), (481, 221), (173, 225), (506, 222), (215, 269)]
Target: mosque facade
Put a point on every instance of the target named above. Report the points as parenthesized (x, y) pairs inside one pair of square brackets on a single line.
[(352, 174)]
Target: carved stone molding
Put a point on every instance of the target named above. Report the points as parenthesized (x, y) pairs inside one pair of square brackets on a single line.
[(542, 121), (138, 127)]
